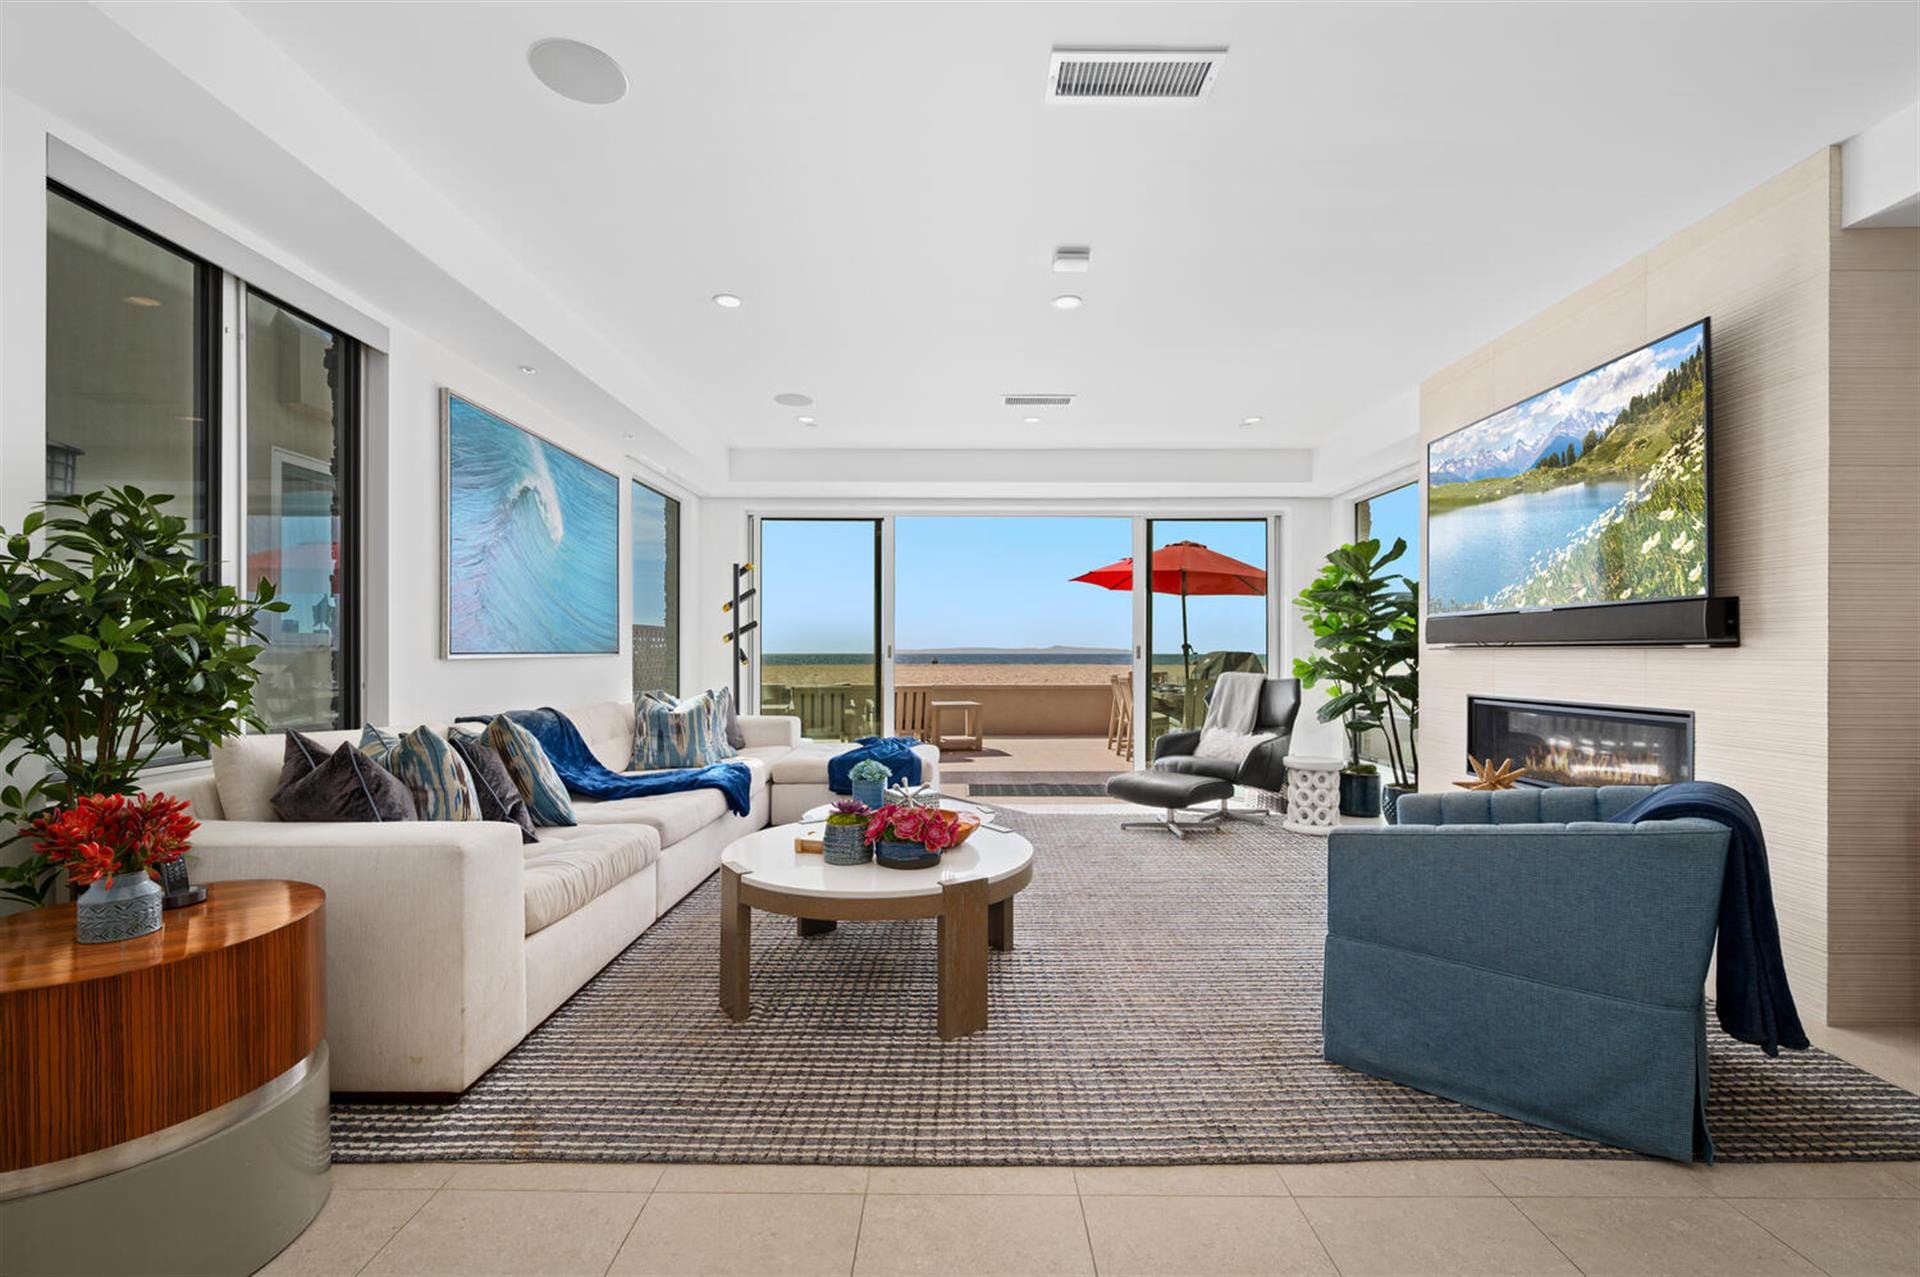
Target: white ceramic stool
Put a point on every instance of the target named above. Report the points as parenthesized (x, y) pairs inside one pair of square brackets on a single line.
[(1313, 793)]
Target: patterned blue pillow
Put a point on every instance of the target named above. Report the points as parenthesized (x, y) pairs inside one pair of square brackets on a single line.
[(671, 732), (532, 772), (442, 787)]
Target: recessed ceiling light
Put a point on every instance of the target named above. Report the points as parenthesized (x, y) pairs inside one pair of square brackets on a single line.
[(528, 369), (137, 300), (793, 399), (1249, 421), (1031, 421), (627, 437), (806, 421), (726, 301), (578, 71), (1066, 301)]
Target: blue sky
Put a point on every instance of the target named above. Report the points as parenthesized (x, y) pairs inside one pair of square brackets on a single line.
[(1396, 514), (1604, 391), (989, 582)]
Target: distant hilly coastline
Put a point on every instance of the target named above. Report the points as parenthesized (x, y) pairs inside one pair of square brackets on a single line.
[(1057, 650)]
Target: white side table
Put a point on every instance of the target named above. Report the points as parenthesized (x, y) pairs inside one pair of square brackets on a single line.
[(1313, 793)]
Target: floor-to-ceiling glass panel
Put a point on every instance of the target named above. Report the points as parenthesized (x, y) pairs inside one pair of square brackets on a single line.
[(1206, 616), (127, 386), (819, 583), (1392, 516), (1013, 643), (656, 589), (299, 415)]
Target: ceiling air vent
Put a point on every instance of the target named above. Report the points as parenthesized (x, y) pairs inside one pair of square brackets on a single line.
[(1123, 75), (1037, 401)]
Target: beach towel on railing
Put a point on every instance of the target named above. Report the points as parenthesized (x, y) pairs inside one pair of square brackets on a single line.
[(1751, 996), (587, 776), (895, 751)]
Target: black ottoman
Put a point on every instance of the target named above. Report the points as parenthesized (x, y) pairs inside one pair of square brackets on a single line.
[(1170, 791)]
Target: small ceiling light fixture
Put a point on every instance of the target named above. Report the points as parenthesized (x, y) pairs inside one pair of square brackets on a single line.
[(807, 421), (528, 369), (1031, 421), (578, 72), (137, 300), (628, 438), (726, 301), (1072, 260), (1067, 301), (1249, 421), (793, 399)]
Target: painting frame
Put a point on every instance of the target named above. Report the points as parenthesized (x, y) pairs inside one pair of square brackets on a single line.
[(450, 646)]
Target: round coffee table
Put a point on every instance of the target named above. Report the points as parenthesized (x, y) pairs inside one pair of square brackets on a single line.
[(970, 891)]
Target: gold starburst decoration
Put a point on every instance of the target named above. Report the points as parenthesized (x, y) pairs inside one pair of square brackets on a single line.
[(1492, 775)]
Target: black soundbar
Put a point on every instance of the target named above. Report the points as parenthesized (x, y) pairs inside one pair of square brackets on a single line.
[(1711, 622)]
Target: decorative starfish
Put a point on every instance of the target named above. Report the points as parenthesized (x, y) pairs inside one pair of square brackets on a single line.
[(1491, 775)]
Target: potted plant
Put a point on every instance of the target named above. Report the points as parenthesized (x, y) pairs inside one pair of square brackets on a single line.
[(870, 777), (115, 644), (107, 843), (910, 837), (1365, 622), (845, 839)]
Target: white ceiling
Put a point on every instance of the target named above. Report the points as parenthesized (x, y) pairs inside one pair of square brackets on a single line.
[(1370, 191)]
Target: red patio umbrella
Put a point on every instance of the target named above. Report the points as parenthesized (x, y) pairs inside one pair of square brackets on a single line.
[(1183, 568)]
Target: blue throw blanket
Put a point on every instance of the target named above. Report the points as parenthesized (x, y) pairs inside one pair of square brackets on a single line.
[(895, 751), (585, 775), (1750, 985)]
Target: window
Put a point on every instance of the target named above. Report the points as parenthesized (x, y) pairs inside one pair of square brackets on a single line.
[(136, 352), (655, 534), (1392, 514), (1207, 614), (301, 393), (820, 624), (132, 332)]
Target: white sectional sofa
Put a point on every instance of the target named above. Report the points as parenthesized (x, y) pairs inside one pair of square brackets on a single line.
[(447, 942)]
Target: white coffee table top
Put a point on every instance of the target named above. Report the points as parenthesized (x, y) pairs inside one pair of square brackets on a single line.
[(769, 859)]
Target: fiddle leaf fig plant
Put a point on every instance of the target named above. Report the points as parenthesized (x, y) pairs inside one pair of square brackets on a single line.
[(1365, 622), (115, 644)]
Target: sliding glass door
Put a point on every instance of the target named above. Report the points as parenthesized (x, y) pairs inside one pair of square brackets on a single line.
[(1206, 614), (820, 653)]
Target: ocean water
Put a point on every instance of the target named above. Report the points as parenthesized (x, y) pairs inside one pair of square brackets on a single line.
[(533, 542), (1476, 551)]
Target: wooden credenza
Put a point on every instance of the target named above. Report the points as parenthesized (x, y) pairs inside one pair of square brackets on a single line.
[(185, 1046)]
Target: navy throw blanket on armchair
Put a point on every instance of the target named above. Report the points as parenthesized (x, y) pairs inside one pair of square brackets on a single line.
[(587, 776), (895, 751), (1751, 996)]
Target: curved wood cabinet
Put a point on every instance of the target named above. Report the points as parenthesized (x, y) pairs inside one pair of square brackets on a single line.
[(101, 1044)]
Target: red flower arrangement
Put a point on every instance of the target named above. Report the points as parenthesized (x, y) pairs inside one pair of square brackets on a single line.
[(931, 827), (104, 835)]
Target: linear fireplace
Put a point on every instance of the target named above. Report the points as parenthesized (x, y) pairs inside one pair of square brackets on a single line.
[(1582, 744)]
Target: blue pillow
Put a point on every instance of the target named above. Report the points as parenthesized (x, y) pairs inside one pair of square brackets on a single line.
[(532, 772), (442, 787), (669, 732)]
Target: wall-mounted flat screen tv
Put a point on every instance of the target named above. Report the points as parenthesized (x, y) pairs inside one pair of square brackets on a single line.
[(1593, 494)]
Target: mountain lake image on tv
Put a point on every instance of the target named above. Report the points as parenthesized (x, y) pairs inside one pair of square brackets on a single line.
[(1594, 492)]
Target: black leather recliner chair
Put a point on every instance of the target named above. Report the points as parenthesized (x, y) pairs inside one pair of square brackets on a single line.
[(1263, 768)]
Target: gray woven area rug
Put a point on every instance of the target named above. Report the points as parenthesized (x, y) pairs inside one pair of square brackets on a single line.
[(1162, 1006)]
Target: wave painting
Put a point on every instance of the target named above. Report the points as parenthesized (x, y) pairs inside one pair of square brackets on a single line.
[(533, 543)]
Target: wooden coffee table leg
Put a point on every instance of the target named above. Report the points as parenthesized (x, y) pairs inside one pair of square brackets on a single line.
[(1000, 925), (736, 943), (963, 958), (814, 926)]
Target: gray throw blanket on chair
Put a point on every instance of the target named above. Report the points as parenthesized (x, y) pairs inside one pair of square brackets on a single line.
[(1235, 703)]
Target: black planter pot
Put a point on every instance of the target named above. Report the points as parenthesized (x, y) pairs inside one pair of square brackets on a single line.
[(1391, 805), (1359, 794)]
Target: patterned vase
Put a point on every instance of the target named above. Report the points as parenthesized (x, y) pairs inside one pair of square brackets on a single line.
[(873, 793), (846, 845), (127, 909)]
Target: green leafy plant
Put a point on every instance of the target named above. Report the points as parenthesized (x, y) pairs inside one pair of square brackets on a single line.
[(1365, 622), (115, 644)]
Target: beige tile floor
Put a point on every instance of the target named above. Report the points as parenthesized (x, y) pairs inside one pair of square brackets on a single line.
[(1373, 1217)]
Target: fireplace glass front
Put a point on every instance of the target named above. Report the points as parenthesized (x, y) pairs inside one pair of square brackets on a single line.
[(1582, 744)]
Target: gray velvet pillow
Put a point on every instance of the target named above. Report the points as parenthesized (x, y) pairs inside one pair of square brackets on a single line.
[(303, 754), (348, 786), (499, 797)]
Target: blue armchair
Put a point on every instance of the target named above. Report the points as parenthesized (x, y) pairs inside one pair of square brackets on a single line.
[(1514, 952)]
